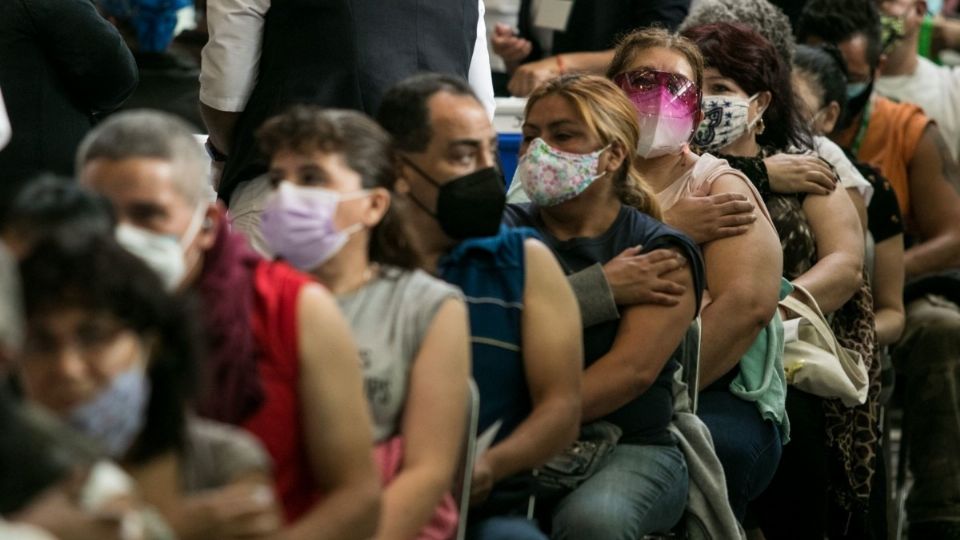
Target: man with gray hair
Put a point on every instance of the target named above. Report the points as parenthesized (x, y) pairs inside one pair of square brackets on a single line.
[(151, 168)]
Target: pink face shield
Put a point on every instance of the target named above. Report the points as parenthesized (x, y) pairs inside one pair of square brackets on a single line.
[(658, 93)]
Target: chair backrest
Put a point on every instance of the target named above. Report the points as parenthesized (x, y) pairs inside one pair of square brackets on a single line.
[(465, 472)]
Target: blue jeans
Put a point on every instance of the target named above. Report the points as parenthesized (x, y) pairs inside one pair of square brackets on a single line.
[(641, 489), (504, 528), (748, 446)]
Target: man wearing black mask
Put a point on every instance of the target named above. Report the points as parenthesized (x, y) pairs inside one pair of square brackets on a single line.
[(909, 150), (525, 323)]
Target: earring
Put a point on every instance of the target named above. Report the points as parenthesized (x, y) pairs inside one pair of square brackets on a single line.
[(761, 127)]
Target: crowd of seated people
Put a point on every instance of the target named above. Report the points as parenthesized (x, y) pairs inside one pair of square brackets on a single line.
[(593, 348)]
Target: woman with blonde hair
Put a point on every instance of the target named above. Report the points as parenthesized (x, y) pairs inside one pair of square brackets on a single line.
[(589, 204)]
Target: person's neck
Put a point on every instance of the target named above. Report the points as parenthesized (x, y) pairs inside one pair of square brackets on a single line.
[(586, 216), (844, 138), (347, 271), (902, 60), (660, 172), (745, 146)]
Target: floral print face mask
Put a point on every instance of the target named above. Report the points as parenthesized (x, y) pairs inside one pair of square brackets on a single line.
[(551, 177)]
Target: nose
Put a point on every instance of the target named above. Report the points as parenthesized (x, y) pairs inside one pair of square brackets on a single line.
[(70, 365), (488, 158)]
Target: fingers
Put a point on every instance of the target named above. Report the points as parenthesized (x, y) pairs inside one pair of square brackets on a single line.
[(664, 299), (727, 232), (735, 207), (502, 29), (668, 265), (821, 183), (736, 220), (724, 198), (632, 251), (702, 190)]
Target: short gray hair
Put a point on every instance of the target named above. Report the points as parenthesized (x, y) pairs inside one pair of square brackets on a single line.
[(151, 134), (765, 18)]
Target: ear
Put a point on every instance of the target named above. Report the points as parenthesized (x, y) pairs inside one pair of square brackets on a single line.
[(379, 204), (402, 185), (830, 117), (615, 156), (920, 8), (213, 219), (763, 101)]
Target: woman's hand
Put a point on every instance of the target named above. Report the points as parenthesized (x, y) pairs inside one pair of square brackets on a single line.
[(512, 48), (529, 76), (799, 173), (705, 218), (482, 482), (637, 278), (242, 510)]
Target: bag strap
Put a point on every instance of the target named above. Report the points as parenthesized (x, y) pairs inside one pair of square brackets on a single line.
[(810, 311)]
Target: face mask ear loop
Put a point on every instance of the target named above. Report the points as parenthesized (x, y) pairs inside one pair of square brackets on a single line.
[(760, 113)]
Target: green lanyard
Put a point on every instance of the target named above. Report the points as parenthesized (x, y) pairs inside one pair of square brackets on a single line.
[(862, 132)]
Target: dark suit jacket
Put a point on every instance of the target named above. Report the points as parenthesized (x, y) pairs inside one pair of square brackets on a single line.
[(346, 54), (595, 25), (61, 64)]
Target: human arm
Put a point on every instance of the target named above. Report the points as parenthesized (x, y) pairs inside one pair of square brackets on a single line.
[(526, 77), (838, 272), (888, 289), (627, 279), (706, 217), (860, 206), (935, 200), (743, 277), (432, 434), (553, 363), (799, 173), (91, 58), (230, 63), (646, 338), (336, 425)]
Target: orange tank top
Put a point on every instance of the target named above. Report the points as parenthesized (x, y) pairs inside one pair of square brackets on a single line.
[(889, 143)]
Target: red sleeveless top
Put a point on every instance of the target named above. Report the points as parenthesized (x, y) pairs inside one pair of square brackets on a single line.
[(277, 423)]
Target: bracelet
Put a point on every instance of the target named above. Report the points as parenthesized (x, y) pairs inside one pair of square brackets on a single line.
[(561, 68)]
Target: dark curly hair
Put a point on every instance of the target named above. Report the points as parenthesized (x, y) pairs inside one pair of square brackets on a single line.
[(835, 21), (366, 148), (98, 275), (743, 55)]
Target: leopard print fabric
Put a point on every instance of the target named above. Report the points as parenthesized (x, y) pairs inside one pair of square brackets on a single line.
[(853, 432)]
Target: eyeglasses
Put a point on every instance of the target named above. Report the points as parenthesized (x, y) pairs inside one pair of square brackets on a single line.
[(648, 80)]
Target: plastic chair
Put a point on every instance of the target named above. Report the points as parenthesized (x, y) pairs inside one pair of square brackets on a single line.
[(465, 473)]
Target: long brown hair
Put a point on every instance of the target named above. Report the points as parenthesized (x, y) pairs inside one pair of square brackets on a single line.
[(612, 118)]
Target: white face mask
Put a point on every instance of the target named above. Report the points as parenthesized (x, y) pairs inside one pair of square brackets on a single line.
[(163, 253), (663, 135), (725, 119)]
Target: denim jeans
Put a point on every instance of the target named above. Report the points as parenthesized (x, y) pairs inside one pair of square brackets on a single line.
[(504, 528), (748, 446), (641, 489)]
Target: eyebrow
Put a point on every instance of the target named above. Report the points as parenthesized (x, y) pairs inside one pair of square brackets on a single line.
[(552, 125)]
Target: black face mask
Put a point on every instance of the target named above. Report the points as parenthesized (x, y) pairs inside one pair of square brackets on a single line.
[(855, 106), (468, 206)]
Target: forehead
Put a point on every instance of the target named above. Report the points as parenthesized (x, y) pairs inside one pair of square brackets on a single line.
[(806, 91), (552, 108), (662, 59), (854, 52), (143, 179), (454, 117)]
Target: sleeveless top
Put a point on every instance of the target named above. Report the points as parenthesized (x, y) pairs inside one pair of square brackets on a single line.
[(277, 422), (491, 273), (890, 143)]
